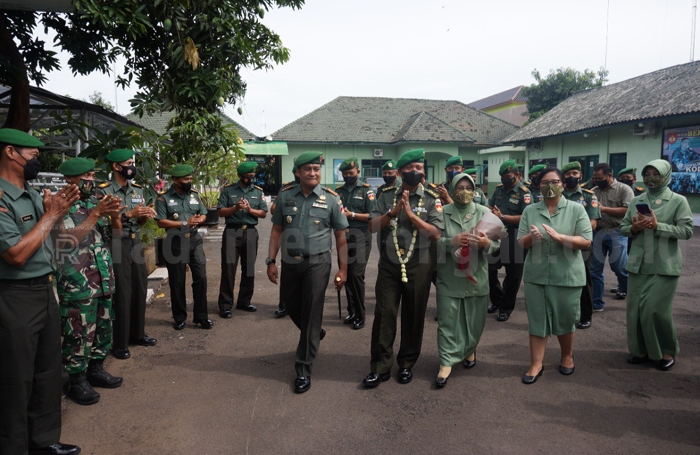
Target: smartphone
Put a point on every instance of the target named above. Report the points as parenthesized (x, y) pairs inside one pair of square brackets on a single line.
[(643, 209)]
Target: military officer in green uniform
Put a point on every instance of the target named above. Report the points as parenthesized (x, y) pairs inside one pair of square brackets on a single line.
[(358, 202), (130, 274), (30, 413), (589, 201), (85, 279), (534, 184), (242, 204), (180, 212), (453, 166), (302, 226), (479, 196), (508, 202), (628, 176), (281, 310), (410, 217)]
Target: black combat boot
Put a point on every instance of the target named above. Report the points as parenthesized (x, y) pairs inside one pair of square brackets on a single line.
[(98, 377), (81, 391)]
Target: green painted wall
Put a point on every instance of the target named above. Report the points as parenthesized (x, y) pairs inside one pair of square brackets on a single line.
[(504, 107)]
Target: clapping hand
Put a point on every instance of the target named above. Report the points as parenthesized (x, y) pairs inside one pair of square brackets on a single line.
[(535, 233), (554, 235), (61, 202), (109, 205)]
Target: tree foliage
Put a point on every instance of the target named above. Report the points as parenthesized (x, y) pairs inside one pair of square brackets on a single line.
[(557, 86)]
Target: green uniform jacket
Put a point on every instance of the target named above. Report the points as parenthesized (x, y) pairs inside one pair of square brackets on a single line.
[(549, 262), (308, 221), (24, 209), (178, 207), (511, 202), (131, 195), (358, 198), (657, 252), (86, 270), (232, 193), (451, 281), (587, 199)]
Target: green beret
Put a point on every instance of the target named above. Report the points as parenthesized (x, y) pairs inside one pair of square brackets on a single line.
[(389, 166), (573, 165), (309, 158), (181, 170), (470, 171), (76, 166), (19, 138), (520, 168), (246, 167), (507, 166), (120, 155), (411, 156), (454, 160), (348, 164), (628, 170), (537, 168), (294, 168)]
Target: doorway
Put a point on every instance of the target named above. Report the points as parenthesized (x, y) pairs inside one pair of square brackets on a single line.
[(588, 162)]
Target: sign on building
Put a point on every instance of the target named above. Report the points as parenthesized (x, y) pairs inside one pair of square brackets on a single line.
[(681, 148)]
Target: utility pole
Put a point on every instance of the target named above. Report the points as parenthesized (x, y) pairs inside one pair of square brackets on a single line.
[(692, 31)]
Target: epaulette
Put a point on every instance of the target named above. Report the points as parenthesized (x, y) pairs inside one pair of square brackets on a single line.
[(524, 188), (432, 193), (583, 185), (339, 187), (328, 190), (527, 183), (230, 184), (388, 188), (432, 185), (136, 185), (194, 191), (258, 187), (287, 188), (288, 183), (500, 184), (162, 193), (588, 191), (104, 185), (639, 188), (366, 185)]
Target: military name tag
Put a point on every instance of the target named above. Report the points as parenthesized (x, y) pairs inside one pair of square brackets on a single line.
[(420, 209), (172, 202), (194, 201), (26, 218), (290, 203), (513, 200)]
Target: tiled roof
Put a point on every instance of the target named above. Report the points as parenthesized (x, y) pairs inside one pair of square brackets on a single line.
[(513, 94), (391, 120), (159, 123), (664, 93)]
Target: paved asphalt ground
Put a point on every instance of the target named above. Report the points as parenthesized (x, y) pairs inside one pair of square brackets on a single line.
[(229, 390)]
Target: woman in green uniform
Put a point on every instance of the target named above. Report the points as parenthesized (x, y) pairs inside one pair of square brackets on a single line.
[(654, 266), (555, 230), (462, 291)]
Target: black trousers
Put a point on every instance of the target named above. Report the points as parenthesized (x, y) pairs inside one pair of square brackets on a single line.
[(359, 247), (30, 368), (412, 297), (304, 284), (511, 256), (587, 291), (243, 244), (179, 252), (129, 298)]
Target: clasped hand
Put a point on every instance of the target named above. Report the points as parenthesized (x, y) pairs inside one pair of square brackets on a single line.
[(641, 222)]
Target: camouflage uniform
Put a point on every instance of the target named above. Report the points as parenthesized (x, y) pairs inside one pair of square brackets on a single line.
[(85, 286)]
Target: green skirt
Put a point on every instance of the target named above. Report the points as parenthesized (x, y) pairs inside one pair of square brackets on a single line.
[(460, 325), (552, 310)]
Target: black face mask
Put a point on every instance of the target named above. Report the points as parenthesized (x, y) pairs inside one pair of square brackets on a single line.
[(350, 180), (186, 187), (571, 182), (412, 178), (628, 182), (128, 172), (602, 184), (534, 182), (507, 181), (389, 179), (31, 168), (245, 180)]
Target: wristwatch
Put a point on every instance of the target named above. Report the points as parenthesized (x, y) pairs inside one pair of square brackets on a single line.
[(185, 223), (269, 261), (353, 215)]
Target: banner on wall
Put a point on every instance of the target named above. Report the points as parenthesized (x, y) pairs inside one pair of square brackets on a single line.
[(681, 148)]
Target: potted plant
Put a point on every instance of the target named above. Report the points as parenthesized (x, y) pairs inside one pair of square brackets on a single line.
[(210, 198)]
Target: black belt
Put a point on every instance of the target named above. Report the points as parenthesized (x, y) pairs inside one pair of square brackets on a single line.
[(41, 280), (300, 257), (185, 234), (363, 228), (240, 226)]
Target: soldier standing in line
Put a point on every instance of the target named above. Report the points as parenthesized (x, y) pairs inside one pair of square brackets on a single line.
[(30, 417), (358, 202), (628, 176), (534, 184), (281, 310), (453, 166), (410, 218), (508, 202), (242, 204), (302, 225), (479, 196), (86, 282), (180, 211), (130, 274)]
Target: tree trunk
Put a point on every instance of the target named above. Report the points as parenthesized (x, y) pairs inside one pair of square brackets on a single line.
[(18, 114)]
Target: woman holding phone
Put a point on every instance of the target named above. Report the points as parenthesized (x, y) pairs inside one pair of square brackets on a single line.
[(656, 219)]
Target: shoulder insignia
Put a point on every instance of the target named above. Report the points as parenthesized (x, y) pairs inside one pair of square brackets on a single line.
[(230, 184), (586, 190), (366, 185), (103, 185), (339, 187), (136, 185), (527, 183), (162, 192), (387, 188), (500, 184), (194, 191), (639, 188), (432, 185), (525, 189), (584, 184), (258, 187), (432, 193), (328, 190), (287, 183), (288, 187)]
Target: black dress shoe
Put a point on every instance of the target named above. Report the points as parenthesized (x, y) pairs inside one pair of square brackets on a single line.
[(566, 371), (583, 325), (323, 334), (468, 364), (302, 384), (502, 316), (621, 296), (349, 319), (225, 314), (405, 376), (358, 324), (146, 341), (666, 364), (56, 449), (634, 360), (492, 308), (374, 379), (532, 379), (179, 325), (205, 324), (249, 308), (281, 312), (615, 290), (440, 382), (121, 353)]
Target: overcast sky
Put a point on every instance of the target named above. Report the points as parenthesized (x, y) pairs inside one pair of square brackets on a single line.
[(460, 50)]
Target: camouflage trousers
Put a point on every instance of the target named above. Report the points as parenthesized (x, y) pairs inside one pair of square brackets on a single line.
[(86, 326)]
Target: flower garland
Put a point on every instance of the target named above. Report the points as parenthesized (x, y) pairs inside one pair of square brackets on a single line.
[(404, 260)]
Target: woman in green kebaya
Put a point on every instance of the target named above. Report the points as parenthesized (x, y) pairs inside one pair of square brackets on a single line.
[(462, 286), (555, 230), (654, 266)]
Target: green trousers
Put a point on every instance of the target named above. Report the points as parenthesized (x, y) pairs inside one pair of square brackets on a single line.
[(87, 332), (461, 322), (650, 329)]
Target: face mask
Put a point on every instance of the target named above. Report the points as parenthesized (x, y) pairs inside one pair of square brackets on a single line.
[(653, 182), (128, 172), (602, 184), (86, 187), (245, 180), (451, 175), (186, 187), (350, 180), (31, 168), (297, 179), (571, 182), (552, 191), (389, 179), (628, 182), (507, 181), (463, 197), (412, 178)]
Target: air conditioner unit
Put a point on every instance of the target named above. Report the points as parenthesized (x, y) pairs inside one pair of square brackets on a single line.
[(534, 146), (378, 153), (644, 129)]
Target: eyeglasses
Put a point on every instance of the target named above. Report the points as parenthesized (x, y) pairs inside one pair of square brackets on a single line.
[(547, 182)]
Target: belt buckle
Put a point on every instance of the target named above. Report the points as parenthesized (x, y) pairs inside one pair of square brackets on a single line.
[(188, 235), (244, 227), (50, 279), (132, 235), (299, 257)]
